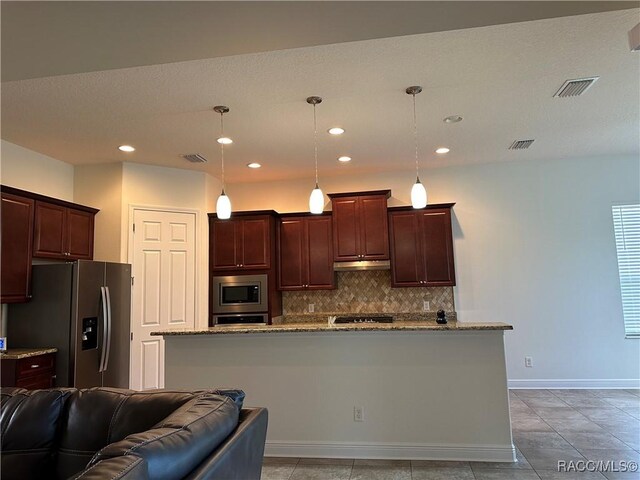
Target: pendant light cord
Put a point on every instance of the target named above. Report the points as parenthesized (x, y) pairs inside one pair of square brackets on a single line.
[(315, 141), (222, 148), (415, 134)]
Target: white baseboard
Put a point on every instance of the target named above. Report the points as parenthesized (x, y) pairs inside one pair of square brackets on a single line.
[(617, 383), (393, 451)]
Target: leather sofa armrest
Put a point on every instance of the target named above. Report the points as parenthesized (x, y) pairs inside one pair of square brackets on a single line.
[(126, 467), (179, 443), (239, 457)]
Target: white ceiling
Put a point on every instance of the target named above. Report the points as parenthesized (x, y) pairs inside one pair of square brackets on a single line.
[(501, 79)]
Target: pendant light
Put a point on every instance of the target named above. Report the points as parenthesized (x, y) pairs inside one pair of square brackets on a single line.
[(418, 192), (316, 199), (223, 205)]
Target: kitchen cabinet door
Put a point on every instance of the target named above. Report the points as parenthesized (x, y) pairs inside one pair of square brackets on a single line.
[(421, 248), (80, 234), (374, 238), (62, 232), (360, 228), (292, 274), (256, 243), (346, 229), (407, 269), (320, 253), (17, 237), (241, 243), (306, 253), (50, 231), (223, 245), (437, 247)]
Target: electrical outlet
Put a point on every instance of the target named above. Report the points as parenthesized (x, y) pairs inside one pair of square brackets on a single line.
[(358, 414), (528, 362), (312, 307), (426, 306)]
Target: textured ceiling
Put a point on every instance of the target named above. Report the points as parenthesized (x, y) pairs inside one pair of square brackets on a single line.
[(501, 79), (46, 38)]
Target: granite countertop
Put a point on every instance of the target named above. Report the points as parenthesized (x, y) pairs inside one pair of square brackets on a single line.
[(309, 327), (20, 353)]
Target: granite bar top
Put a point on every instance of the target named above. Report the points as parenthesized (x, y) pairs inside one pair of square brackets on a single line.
[(20, 353), (324, 327)]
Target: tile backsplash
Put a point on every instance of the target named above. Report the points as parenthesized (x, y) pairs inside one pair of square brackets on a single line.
[(368, 292)]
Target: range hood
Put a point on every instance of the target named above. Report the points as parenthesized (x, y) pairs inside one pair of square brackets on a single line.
[(362, 265)]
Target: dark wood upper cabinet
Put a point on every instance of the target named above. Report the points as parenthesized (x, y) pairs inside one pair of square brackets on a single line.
[(242, 243), (306, 253), (62, 232), (33, 225), (360, 228), (80, 226), (421, 247), (16, 215)]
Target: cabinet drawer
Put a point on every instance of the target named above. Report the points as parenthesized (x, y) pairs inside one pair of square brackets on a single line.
[(37, 382), (34, 365)]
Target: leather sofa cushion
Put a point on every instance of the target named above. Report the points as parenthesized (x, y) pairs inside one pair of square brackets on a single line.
[(179, 443), (30, 422), (97, 417)]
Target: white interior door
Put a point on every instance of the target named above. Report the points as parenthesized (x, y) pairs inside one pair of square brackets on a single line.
[(164, 288)]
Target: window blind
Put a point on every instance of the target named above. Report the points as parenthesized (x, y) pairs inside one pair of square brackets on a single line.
[(626, 224)]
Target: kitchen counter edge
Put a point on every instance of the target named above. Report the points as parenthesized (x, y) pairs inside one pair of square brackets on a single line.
[(20, 353), (323, 327)]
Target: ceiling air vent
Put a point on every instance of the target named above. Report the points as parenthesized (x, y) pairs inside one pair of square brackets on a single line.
[(520, 144), (195, 158), (573, 88)]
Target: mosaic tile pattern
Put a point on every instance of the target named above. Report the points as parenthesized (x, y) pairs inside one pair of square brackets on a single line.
[(368, 292)]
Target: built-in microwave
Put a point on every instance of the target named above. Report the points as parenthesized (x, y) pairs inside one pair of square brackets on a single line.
[(240, 294)]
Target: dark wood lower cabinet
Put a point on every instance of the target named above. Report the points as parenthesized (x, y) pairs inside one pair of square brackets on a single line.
[(421, 247), (31, 372)]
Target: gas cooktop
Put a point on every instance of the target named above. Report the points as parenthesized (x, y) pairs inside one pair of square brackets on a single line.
[(365, 319)]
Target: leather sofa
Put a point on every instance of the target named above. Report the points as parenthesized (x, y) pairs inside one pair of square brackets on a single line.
[(105, 433)]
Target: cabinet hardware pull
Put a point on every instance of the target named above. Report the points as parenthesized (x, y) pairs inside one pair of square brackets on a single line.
[(35, 365)]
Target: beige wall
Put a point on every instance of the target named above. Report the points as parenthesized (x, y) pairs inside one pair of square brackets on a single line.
[(101, 186), (534, 247), (32, 171)]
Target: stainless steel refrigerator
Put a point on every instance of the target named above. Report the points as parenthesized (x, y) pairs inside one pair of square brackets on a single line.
[(83, 309)]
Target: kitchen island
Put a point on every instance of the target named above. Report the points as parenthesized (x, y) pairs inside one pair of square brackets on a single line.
[(425, 391)]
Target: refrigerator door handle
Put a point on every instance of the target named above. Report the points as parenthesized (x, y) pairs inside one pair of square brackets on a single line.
[(108, 348), (105, 327)]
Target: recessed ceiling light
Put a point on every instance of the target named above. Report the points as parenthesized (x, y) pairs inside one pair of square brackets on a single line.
[(452, 119), (253, 165), (442, 150), (224, 140), (126, 148), (344, 158), (336, 131)]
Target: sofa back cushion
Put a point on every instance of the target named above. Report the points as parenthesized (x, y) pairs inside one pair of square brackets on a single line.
[(180, 442), (97, 417), (30, 422)]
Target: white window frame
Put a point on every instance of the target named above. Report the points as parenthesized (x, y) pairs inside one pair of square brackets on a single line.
[(626, 225)]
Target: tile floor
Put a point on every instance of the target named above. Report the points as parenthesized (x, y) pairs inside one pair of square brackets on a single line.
[(548, 425)]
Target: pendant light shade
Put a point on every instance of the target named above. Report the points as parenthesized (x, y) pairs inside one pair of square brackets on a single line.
[(223, 205), (316, 199), (418, 192), (418, 195)]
